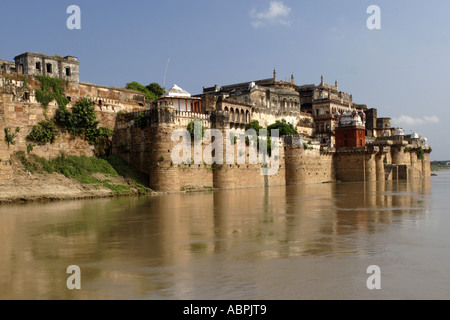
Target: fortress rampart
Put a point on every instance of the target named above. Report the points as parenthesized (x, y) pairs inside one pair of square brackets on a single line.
[(149, 148), (147, 144)]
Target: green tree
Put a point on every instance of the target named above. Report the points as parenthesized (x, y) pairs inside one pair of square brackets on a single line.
[(254, 125), (152, 92), (285, 129), (83, 121), (83, 117), (156, 89)]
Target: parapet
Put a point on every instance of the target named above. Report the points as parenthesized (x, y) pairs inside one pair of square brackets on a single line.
[(293, 141)]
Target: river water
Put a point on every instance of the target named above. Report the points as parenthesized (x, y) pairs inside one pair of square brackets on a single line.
[(291, 243)]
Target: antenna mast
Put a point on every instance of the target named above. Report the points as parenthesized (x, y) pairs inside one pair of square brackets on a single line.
[(165, 73)]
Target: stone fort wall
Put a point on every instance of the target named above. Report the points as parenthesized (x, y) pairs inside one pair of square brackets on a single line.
[(149, 147), (19, 109)]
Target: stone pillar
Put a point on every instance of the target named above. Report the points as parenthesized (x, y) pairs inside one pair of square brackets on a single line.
[(379, 158), (370, 167)]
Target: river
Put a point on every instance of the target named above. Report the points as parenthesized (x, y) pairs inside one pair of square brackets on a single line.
[(290, 243)]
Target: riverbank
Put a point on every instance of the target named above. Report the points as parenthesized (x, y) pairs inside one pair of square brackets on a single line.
[(72, 178)]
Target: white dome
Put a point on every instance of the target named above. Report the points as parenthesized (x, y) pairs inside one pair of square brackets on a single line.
[(357, 120), (346, 119), (424, 141), (399, 132), (414, 135), (176, 92)]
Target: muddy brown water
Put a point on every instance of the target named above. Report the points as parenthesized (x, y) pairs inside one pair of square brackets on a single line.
[(294, 242)]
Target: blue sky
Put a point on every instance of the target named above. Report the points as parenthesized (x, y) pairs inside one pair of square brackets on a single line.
[(403, 69)]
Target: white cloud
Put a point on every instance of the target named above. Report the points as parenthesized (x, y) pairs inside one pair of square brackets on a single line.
[(409, 121), (277, 13)]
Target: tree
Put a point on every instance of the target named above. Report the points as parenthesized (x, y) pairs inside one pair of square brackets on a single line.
[(152, 92), (254, 125), (285, 129), (156, 89)]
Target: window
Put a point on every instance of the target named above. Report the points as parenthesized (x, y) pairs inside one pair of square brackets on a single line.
[(38, 66), (26, 96), (68, 72), (49, 68)]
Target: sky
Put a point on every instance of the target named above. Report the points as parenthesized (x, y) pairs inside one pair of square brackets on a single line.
[(402, 69)]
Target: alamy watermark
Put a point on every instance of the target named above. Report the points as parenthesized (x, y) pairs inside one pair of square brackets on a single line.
[(374, 21), (74, 281), (259, 149), (374, 281), (74, 20)]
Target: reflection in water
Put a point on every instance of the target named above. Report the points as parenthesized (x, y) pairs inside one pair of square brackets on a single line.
[(243, 244)]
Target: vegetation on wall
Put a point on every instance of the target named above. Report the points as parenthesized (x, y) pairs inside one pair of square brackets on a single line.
[(52, 89), (191, 128), (82, 121), (44, 132), (420, 153), (9, 137), (152, 92)]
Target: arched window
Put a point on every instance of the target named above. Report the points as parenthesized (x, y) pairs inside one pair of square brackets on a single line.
[(232, 114), (242, 116)]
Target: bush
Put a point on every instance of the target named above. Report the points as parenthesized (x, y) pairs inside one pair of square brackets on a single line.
[(83, 121), (9, 137), (44, 132), (191, 128)]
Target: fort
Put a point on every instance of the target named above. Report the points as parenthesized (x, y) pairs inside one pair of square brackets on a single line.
[(338, 140)]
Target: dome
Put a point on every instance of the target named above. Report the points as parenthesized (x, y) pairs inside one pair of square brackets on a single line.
[(346, 119), (414, 135), (176, 92), (356, 119), (399, 132), (363, 116), (424, 141)]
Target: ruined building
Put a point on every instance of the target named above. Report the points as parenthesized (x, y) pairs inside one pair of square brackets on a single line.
[(36, 64)]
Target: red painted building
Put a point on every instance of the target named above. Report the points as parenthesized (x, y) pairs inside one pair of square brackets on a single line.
[(351, 130)]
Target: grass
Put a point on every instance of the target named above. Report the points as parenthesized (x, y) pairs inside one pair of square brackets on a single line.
[(126, 171), (83, 168)]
